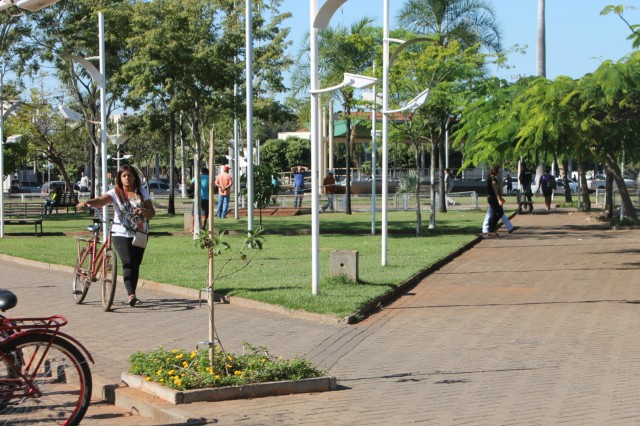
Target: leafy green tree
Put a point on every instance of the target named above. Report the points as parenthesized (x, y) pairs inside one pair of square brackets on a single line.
[(634, 28), (467, 24), (263, 190), (298, 152), (274, 154)]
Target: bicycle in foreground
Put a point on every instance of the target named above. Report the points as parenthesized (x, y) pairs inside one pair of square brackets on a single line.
[(45, 378), (96, 261)]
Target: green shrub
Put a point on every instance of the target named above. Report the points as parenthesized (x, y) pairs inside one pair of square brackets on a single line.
[(180, 369)]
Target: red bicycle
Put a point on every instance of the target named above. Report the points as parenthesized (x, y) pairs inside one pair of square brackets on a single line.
[(96, 261), (44, 375)]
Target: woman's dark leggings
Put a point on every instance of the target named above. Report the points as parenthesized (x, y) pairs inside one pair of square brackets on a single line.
[(130, 258)]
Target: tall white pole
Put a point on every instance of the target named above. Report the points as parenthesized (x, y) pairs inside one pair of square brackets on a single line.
[(385, 129), (236, 156), (249, 83), (1, 156), (373, 160), (103, 116), (315, 133)]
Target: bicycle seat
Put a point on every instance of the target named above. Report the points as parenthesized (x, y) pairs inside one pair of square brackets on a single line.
[(93, 228), (8, 300)]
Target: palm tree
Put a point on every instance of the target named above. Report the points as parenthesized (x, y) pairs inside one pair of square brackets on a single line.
[(344, 50), (467, 21)]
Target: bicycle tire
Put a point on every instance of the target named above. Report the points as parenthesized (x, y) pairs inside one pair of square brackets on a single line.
[(62, 381), (80, 283), (109, 278)]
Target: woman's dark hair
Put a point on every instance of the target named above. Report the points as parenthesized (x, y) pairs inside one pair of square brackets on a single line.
[(137, 183)]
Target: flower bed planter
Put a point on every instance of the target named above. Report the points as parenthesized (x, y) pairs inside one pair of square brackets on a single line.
[(318, 384)]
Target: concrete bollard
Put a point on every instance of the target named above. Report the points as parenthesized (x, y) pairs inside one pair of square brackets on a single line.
[(344, 262)]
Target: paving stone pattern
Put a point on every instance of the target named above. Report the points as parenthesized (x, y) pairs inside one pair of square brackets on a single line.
[(534, 328)]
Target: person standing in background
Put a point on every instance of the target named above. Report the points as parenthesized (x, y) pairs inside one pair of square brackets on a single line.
[(299, 173), (329, 184), (224, 182), (204, 195)]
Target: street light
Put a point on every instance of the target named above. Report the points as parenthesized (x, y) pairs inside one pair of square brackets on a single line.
[(118, 140), (31, 5), (320, 20), (414, 104)]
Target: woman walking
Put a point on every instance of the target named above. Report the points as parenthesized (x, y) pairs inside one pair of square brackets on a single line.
[(133, 208)]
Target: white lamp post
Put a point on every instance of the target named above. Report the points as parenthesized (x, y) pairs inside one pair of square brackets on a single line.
[(118, 140), (32, 5), (249, 96)]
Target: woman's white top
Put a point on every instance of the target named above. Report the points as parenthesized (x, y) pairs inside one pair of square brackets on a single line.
[(117, 229)]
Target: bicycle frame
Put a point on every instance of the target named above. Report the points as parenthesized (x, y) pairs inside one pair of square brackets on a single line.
[(95, 249)]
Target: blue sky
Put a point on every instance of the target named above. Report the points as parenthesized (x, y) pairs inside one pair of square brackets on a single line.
[(578, 37)]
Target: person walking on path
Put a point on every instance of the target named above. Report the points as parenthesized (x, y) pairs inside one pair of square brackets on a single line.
[(132, 209), (509, 184), (204, 195), (329, 184), (547, 184), (495, 201), (299, 174), (448, 186), (224, 182)]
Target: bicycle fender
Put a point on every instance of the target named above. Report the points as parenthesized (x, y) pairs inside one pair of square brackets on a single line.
[(53, 334)]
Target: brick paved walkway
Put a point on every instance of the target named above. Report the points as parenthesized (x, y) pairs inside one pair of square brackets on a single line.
[(534, 328)]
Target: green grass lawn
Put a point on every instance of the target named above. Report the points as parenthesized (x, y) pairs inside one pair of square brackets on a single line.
[(280, 274)]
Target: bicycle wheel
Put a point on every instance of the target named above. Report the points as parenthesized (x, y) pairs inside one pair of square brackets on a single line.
[(109, 278), (81, 281), (50, 385)]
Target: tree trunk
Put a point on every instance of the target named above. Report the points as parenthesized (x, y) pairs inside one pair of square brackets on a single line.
[(171, 210), (442, 195), (417, 194), (347, 188), (565, 181), (625, 198), (432, 190), (608, 194), (584, 190)]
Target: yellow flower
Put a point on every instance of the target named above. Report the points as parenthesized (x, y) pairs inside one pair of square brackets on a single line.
[(159, 372), (185, 364), (218, 376), (193, 354), (161, 380), (264, 360), (147, 379), (171, 372), (174, 351), (229, 357), (237, 373), (229, 365), (179, 356)]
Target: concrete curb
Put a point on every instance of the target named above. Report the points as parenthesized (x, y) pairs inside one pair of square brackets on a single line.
[(257, 390)]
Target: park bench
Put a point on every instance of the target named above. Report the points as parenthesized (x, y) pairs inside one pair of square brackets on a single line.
[(68, 199), (24, 214)]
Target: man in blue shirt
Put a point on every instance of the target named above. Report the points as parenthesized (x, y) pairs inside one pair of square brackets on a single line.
[(204, 195), (299, 173)]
